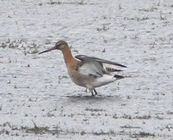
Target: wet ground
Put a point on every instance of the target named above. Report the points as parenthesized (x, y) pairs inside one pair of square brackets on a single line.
[(39, 101)]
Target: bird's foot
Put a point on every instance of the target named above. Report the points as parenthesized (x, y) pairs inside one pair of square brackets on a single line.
[(93, 92)]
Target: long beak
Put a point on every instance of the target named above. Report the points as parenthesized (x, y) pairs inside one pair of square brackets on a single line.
[(48, 50)]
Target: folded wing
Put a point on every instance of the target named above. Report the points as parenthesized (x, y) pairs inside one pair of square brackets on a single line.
[(92, 69)]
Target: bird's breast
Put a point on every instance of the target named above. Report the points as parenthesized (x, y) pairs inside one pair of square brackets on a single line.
[(77, 78)]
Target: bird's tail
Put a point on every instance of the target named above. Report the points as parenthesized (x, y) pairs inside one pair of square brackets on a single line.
[(118, 76)]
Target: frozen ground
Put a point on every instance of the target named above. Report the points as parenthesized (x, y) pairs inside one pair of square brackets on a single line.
[(39, 101)]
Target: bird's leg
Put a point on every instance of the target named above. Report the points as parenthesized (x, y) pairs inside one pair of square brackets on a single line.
[(86, 90), (95, 91), (92, 92)]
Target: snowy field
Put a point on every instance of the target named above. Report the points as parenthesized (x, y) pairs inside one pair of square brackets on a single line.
[(38, 101)]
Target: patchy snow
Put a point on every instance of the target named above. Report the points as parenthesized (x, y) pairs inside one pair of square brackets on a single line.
[(39, 101)]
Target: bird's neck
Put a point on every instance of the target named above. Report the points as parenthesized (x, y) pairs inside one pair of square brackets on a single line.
[(68, 57)]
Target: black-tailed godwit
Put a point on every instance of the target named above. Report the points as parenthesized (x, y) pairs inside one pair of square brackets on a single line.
[(87, 71)]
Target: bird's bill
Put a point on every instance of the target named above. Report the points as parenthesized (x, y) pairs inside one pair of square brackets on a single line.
[(48, 50)]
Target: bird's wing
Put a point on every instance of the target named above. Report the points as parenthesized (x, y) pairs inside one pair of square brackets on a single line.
[(93, 69), (109, 69), (85, 58)]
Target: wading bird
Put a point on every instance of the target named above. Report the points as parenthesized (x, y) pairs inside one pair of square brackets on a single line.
[(87, 71)]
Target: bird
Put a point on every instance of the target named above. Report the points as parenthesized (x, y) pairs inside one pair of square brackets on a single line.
[(87, 71)]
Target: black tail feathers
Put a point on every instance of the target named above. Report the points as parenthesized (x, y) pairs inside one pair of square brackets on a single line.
[(118, 76)]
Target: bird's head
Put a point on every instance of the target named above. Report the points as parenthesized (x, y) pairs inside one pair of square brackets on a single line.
[(60, 45)]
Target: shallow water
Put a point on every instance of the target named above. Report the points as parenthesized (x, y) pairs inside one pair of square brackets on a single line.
[(39, 101)]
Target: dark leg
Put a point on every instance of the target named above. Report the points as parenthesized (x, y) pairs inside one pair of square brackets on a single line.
[(95, 92), (92, 93), (86, 90)]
